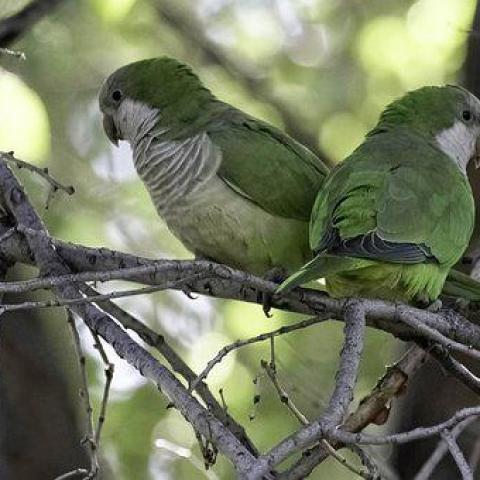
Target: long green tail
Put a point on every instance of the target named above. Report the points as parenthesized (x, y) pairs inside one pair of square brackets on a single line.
[(321, 266), (459, 285)]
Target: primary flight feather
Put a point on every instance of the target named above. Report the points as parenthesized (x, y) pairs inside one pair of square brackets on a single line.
[(232, 188), (393, 218)]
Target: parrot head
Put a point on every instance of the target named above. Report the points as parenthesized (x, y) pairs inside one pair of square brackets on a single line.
[(449, 116), (158, 90)]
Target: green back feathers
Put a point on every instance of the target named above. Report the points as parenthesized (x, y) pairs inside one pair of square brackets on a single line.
[(399, 208), (266, 165)]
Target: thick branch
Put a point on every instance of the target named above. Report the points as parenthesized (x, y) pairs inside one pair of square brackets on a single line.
[(224, 282), (159, 343), (50, 263), (373, 406), (339, 401)]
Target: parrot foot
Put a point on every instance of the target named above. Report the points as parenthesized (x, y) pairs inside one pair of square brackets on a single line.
[(462, 305), (277, 275), (435, 306)]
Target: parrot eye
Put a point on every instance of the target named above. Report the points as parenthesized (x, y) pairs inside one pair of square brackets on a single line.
[(117, 95), (467, 115)]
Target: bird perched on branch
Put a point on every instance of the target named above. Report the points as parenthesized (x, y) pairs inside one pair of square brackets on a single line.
[(394, 217), (232, 188)]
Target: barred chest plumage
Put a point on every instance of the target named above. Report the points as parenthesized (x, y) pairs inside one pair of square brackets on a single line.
[(211, 217), (174, 171)]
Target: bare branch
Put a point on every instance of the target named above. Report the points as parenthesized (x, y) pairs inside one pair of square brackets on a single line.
[(339, 401), (95, 298), (455, 368), (109, 369), (50, 263), (457, 455), (89, 441), (442, 447), (249, 341), (374, 405), (347, 372), (287, 401), (405, 437), (159, 342), (225, 282), (17, 25), (436, 336)]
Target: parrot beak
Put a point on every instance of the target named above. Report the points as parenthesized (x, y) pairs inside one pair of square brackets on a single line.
[(110, 129), (476, 158)]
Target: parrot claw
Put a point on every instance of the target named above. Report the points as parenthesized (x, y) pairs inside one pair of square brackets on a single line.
[(267, 304), (435, 306), (277, 275)]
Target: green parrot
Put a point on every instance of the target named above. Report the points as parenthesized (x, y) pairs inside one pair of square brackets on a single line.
[(393, 218), (232, 188)]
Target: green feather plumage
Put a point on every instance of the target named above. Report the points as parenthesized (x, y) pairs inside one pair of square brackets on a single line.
[(254, 214), (397, 192)]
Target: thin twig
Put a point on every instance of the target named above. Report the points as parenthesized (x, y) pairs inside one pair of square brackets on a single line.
[(455, 368), (419, 433), (93, 299), (42, 172), (109, 369), (282, 394), (286, 400), (13, 53), (23, 286), (457, 455), (221, 354), (73, 473), (442, 447), (85, 395)]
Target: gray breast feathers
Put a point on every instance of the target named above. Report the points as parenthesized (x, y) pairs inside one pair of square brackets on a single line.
[(173, 170)]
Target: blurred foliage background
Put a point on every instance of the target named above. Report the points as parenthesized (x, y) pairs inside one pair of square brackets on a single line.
[(321, 69)]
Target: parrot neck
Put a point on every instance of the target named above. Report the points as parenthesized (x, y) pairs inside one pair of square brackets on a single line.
[(135, 119), (171, 169), (458, 142)]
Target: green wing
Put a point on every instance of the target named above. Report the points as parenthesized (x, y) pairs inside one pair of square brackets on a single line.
[(266, 165), (394, 200)]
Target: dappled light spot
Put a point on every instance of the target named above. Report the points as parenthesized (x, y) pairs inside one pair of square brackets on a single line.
[(112, 11), (204, 349), (25, 126), (333, 138)]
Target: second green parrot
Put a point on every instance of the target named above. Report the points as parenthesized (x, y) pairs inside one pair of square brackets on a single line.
[(394, 217), (232, 188)]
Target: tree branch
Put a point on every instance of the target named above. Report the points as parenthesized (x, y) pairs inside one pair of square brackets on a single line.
[(64, 269), (50, 263), (17, 25)]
